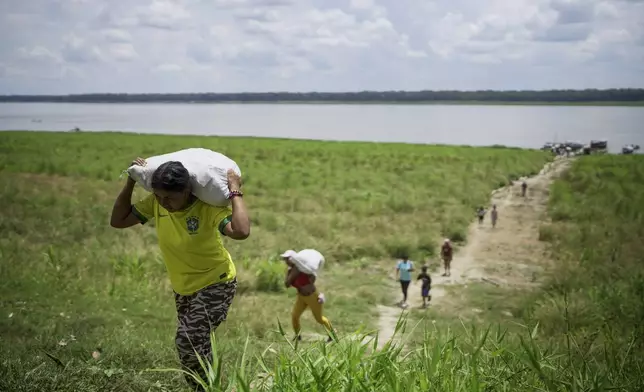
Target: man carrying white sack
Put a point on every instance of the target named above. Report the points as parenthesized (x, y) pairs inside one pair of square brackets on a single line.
[(303, 267), (189, 233)]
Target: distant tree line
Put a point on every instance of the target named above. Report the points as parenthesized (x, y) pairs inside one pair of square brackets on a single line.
[(546, 96)]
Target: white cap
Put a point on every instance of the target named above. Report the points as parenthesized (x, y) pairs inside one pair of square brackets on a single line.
[(446, 239), (289, 253)]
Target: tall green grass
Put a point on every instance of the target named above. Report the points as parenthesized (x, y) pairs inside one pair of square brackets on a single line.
[(596, 293), (469, 358), (597, 233), (353, 200)]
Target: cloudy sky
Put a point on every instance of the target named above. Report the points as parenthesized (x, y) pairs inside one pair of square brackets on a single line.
[(82, 46)]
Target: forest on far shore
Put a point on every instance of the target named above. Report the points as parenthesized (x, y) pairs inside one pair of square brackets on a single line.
[(427, 96)]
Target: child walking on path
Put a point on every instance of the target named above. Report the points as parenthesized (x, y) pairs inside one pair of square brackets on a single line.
[(446, 254), (425, 290), (480, 213)]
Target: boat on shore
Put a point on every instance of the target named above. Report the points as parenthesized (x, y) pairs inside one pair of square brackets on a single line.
[(630, 148)]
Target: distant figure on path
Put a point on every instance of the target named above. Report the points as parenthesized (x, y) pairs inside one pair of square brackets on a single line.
[(480, 213), (494, 215), (307, 293), (189, 233), (404, 268), (446, 254), (524, 187), (425, 290)]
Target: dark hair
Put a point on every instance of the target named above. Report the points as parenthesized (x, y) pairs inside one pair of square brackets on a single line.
[(172, 177)]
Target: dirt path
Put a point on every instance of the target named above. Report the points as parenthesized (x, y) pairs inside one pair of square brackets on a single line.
[(509, 254)]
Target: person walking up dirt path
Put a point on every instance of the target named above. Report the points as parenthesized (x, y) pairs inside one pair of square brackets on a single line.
[(508, 256), (494, 215), (446, 254), (308, 295), (189, 233), (404, 268), (511, 254), (480, 213), (425, 290)]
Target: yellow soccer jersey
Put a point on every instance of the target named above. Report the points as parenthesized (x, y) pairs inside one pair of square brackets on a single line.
[(191, 243)]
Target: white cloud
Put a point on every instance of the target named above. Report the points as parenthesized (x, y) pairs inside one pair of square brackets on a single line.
[(79, 50), (258, 14), (163, 14), (601, 44), (362, 4), (607, 10), (156, 14), (38, 53), (123, 52), (117, 36), (334, 45), (518, 31), (168, 68), (252, 3)]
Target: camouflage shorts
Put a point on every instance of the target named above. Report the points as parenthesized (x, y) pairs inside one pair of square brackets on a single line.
[(197, 315)]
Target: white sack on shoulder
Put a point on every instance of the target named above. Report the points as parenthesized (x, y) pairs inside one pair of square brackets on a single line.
[(208, 173), (308, 261)]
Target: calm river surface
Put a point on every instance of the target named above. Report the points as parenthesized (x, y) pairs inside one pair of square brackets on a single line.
[(522, 126)]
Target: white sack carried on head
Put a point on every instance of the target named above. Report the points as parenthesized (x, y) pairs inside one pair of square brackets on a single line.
[(308, 261), (208, 173)]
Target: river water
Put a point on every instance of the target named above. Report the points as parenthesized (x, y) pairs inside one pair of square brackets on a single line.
[(521, 126)]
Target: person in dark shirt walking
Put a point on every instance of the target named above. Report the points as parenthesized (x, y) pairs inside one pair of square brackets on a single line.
[(446, 254), (480, 213), (494, 215), (425, 290)]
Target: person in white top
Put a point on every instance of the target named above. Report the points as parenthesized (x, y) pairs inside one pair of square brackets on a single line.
[(303, 268)]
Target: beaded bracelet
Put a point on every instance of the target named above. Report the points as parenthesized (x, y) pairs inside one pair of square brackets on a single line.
[(235, 193)]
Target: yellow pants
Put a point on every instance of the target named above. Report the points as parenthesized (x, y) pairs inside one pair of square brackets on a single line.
[(310, 301)]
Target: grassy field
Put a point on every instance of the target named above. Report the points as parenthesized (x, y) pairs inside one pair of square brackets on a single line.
[(71, 284), (588, 316), (320, 194), (596, 295)]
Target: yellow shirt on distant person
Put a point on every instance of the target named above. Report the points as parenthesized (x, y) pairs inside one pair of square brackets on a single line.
[(191, 243)]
